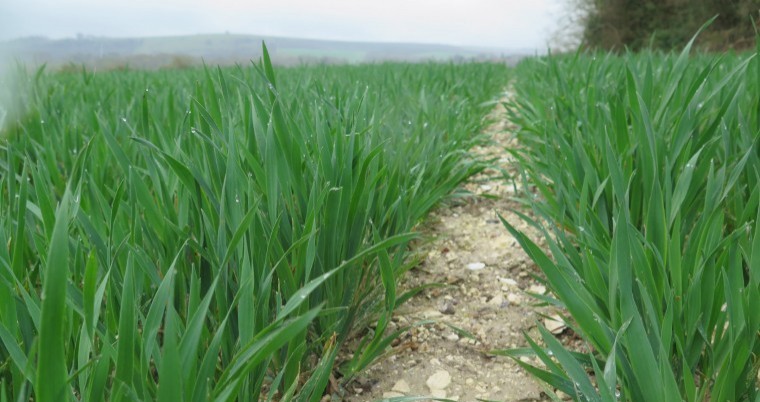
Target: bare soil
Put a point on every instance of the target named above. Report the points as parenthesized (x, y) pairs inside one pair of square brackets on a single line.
[(487, 276)]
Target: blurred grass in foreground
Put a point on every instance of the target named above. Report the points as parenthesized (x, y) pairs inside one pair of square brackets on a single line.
[(218, 234), (646, 169)]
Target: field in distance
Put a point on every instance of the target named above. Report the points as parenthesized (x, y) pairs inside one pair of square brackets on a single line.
[(178, 51)]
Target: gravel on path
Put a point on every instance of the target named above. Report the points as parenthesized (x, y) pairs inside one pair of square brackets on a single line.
[(487, 276)]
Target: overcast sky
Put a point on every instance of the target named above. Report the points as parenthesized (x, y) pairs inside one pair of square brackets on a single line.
[(492, 23)]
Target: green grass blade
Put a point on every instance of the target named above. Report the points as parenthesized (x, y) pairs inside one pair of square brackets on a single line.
[(52, 373)]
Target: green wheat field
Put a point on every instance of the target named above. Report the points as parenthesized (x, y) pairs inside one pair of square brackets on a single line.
[(224, 233)]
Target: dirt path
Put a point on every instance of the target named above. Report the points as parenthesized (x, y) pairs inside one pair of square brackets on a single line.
[(488, 274)]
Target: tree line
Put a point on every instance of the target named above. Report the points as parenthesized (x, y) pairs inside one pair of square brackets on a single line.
[(668, 24)]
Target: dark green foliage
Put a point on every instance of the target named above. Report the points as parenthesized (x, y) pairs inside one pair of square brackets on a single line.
[(669, 24)]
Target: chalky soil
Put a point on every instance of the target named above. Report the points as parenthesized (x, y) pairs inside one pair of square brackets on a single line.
[(488, 275)]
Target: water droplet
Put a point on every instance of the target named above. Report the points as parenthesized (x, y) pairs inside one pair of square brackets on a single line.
[(425, 125), (42, 121), (550, 353), (74, 151), (124, 119), (237, 199)]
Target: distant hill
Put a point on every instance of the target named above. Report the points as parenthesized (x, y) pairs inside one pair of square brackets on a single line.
[(177, 51)]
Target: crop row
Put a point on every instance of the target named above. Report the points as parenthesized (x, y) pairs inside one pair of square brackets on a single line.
[(218, 234), (646, 170)]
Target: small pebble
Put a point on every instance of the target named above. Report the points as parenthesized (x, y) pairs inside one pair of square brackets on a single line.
[(439, 380), (401, 386), (537, 289), (447, 308), (497, 300), (508, 281), (554, 324), (475, 266)]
